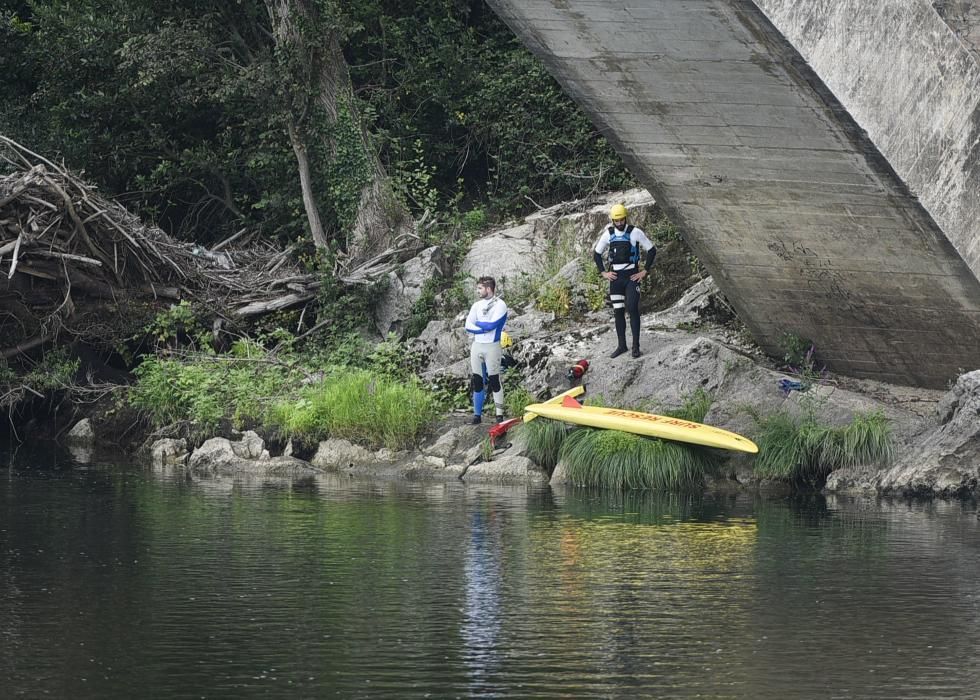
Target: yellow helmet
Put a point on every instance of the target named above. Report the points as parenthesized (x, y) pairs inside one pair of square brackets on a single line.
[(617, 212), (505, 340)]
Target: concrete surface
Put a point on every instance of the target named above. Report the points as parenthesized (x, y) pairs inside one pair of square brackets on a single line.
[(820, 159)]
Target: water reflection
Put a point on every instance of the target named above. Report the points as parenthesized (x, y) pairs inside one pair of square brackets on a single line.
[(114, 579), (481, 613)]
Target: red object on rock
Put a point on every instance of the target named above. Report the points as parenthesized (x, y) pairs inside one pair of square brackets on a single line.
[(501, 428), (577, 370)]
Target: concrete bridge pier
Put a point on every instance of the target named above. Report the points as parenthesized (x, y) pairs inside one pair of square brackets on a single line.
[(820, 158)]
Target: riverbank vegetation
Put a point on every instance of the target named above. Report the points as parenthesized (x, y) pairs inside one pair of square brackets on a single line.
[(367, 396), (316, 145), (803, 451), (618, 460), (253, 174)]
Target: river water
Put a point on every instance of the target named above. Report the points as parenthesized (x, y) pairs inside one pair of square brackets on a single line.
[(117, 582)]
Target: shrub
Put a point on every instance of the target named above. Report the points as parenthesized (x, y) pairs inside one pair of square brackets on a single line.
[(362, 406), (805, 452), (544, 441), (56, 370), (615, 459), (206, 390), (555, 297)]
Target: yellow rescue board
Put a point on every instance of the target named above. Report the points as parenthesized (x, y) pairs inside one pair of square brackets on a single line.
[(649, 424)]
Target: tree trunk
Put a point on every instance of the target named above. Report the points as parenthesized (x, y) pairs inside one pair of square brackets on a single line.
[(306, 184), (315, 63)]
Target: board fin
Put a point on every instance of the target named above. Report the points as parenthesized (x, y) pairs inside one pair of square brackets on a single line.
[(569, 402)]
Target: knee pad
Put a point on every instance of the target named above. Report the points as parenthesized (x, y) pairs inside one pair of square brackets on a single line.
[(476, 382), (494, 380)]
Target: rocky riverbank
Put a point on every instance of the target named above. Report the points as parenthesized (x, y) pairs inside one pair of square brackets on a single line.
[(694, 343)]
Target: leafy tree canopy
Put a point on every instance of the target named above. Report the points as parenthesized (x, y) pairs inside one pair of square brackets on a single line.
[(179, 107)]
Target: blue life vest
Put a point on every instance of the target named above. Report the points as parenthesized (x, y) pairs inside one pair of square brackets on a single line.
[(623, 253)]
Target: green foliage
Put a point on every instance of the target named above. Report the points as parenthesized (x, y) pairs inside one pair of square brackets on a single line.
[(414, 179), (344, 168), (185, 107), (486, 449), (55, 370), (440, 297), (361, 406), (394, 358), (795, 349), (555, 297), (376, 407), (544, 440), (348, 308), (804, 452), (176, 323), (663, 230), (453, 71), (474, 220), (346, 350), (596, 287), (516, 397), (205, 390), (7, 374), (614, 459), (695, 406)]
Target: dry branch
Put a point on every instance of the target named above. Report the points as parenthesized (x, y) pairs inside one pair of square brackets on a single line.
[(58, 231)]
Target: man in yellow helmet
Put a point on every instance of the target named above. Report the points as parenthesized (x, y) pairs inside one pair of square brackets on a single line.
[(623, 243)]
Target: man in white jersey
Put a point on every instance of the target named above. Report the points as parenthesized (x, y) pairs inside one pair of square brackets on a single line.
[(623, 242), (486, 322)]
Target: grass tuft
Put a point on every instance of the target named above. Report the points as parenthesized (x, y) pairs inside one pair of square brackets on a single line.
[(614, 459), (544, 441), (804, 452), (362, 406)]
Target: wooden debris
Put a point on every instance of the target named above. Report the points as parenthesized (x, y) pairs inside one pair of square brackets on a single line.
[(60, 237)]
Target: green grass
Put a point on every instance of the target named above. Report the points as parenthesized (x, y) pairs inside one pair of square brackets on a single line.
[(804, 452), (362, 406), (372, 407), (544, 441), (619, 460), (614, 459), (695, 406), (516, 397)]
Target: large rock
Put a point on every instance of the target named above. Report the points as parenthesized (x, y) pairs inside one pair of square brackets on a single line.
[(506, 255), (405, 287), (221, 457), (250, 446), (947, 460), (336, 455), (520, 250), (168, 452), (81, 432), (454, 442), (506, 469), (697, 303)]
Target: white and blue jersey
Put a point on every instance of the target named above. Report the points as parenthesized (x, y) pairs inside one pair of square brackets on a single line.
[(486, 320)]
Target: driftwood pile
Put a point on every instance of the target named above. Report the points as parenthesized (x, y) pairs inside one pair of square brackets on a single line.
[(68, 255)]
